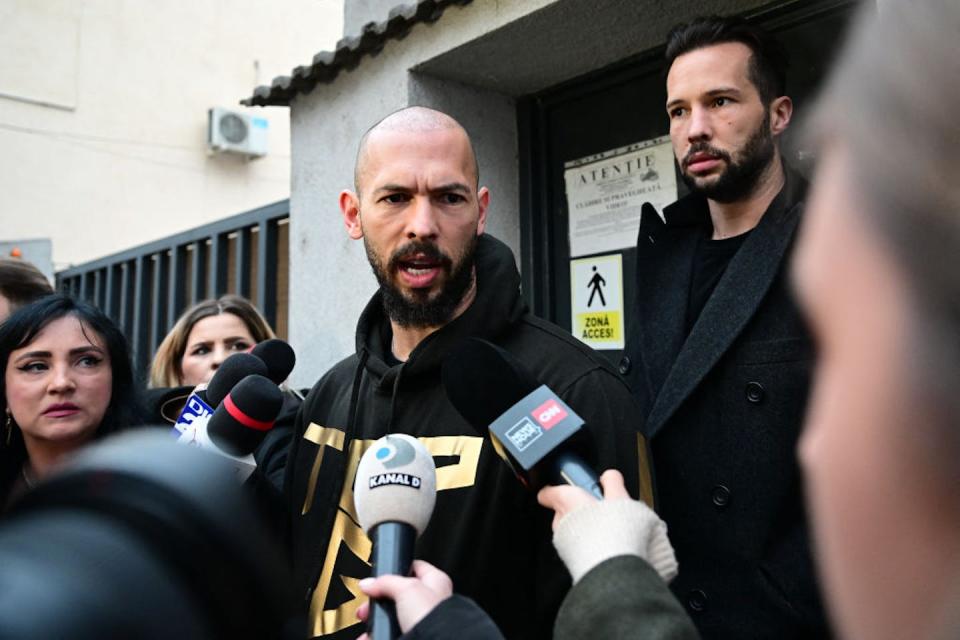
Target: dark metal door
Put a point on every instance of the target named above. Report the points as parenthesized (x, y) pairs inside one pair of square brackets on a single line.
[(621, 106)]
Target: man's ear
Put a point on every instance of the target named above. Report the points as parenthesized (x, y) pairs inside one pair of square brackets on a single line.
[(350, 208), (483, 201), (781, 111)]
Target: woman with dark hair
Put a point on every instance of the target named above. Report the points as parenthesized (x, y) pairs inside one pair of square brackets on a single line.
[(67, 379)]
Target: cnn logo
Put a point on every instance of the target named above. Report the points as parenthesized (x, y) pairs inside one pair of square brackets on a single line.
[(549, 413)]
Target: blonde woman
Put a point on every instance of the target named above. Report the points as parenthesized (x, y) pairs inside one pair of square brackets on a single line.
[(204, 336)]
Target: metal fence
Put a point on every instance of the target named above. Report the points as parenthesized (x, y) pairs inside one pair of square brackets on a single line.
[(145, 289)]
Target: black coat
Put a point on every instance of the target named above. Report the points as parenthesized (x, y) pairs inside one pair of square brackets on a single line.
[(724, 406)]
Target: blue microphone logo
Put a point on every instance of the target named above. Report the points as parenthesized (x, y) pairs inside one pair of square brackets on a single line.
[(397, 452)]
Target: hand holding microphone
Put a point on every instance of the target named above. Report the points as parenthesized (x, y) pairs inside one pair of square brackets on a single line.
[(413, 597), (394, 495), (587, 532)]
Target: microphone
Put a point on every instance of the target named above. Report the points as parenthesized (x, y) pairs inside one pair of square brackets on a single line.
[(233, 370), (246, 414), (278, 356), (394, 493), (530, 427), (239, 424), (205, 398)]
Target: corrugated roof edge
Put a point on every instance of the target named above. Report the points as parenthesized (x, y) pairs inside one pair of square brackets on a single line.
[(349, 52)]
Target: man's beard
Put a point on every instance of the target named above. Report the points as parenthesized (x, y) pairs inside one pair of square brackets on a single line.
[(740, 178), (423, 311)]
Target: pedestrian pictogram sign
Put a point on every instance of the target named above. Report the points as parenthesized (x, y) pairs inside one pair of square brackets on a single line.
[(596, 299)]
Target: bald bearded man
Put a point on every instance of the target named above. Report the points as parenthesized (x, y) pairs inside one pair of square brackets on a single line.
[(418, 207)]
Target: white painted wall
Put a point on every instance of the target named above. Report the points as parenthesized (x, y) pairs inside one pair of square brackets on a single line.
[(103, 111)]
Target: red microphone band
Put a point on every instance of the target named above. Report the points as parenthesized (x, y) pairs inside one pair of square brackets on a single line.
[(243, 418)]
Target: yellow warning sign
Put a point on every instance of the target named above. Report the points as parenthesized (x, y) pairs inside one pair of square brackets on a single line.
[(603, 326), (596, 299)]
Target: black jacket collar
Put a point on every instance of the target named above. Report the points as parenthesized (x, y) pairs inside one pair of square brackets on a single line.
[(676, 363)]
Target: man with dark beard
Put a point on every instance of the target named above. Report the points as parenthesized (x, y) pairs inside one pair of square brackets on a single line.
[(419, 209), (718, 355)]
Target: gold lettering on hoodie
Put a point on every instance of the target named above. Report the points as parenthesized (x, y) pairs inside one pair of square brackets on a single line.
[(348, 536)]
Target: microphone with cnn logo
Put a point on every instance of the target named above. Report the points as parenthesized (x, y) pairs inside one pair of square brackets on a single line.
[(536, 432)]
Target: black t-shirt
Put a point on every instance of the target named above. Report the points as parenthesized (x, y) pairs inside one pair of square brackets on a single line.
[(709, 262)]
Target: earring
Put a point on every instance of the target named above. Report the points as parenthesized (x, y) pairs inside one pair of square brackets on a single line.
[(9, 427)]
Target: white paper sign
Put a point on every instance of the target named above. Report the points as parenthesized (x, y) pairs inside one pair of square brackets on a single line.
[(605, 193), (596, 301)]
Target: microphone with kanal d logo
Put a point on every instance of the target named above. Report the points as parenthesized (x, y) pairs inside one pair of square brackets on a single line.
[(394, 493)]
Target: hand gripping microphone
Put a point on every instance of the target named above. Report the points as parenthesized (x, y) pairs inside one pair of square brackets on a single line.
[(394, 494), (530, 426)]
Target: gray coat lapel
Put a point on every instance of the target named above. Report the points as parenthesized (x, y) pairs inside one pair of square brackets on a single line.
[(735, 300)]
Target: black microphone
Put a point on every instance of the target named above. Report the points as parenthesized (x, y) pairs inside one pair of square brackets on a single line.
[(245, 416), (230, 372), (204, 398), (278, 356), (394, 493), (530, 427)]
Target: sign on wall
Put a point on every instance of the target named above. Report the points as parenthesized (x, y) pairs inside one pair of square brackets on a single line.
[(606, 191), (596, 299)]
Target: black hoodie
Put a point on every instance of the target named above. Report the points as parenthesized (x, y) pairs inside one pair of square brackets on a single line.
[(487, 532)]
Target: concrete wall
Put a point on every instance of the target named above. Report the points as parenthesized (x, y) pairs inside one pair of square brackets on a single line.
[(103, 108), (472, 63)]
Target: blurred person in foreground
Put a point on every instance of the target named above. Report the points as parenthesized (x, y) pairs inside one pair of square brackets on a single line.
[(67, 380), (20, 284), (877, 273), (874, 272)]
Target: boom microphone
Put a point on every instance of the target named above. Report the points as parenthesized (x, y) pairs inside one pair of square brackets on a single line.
[(278, 356), (394, 493), (530, 426)]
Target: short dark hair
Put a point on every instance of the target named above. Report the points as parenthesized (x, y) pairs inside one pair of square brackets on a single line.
[(768, 64), (21, 328), (21, 282)]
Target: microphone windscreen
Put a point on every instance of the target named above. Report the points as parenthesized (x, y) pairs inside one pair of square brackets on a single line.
[(233, 370), (242, 420), (482, 381), (278, 356), (396, 482)]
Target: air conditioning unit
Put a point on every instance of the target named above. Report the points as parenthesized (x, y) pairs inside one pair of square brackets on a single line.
[(236, 132)]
